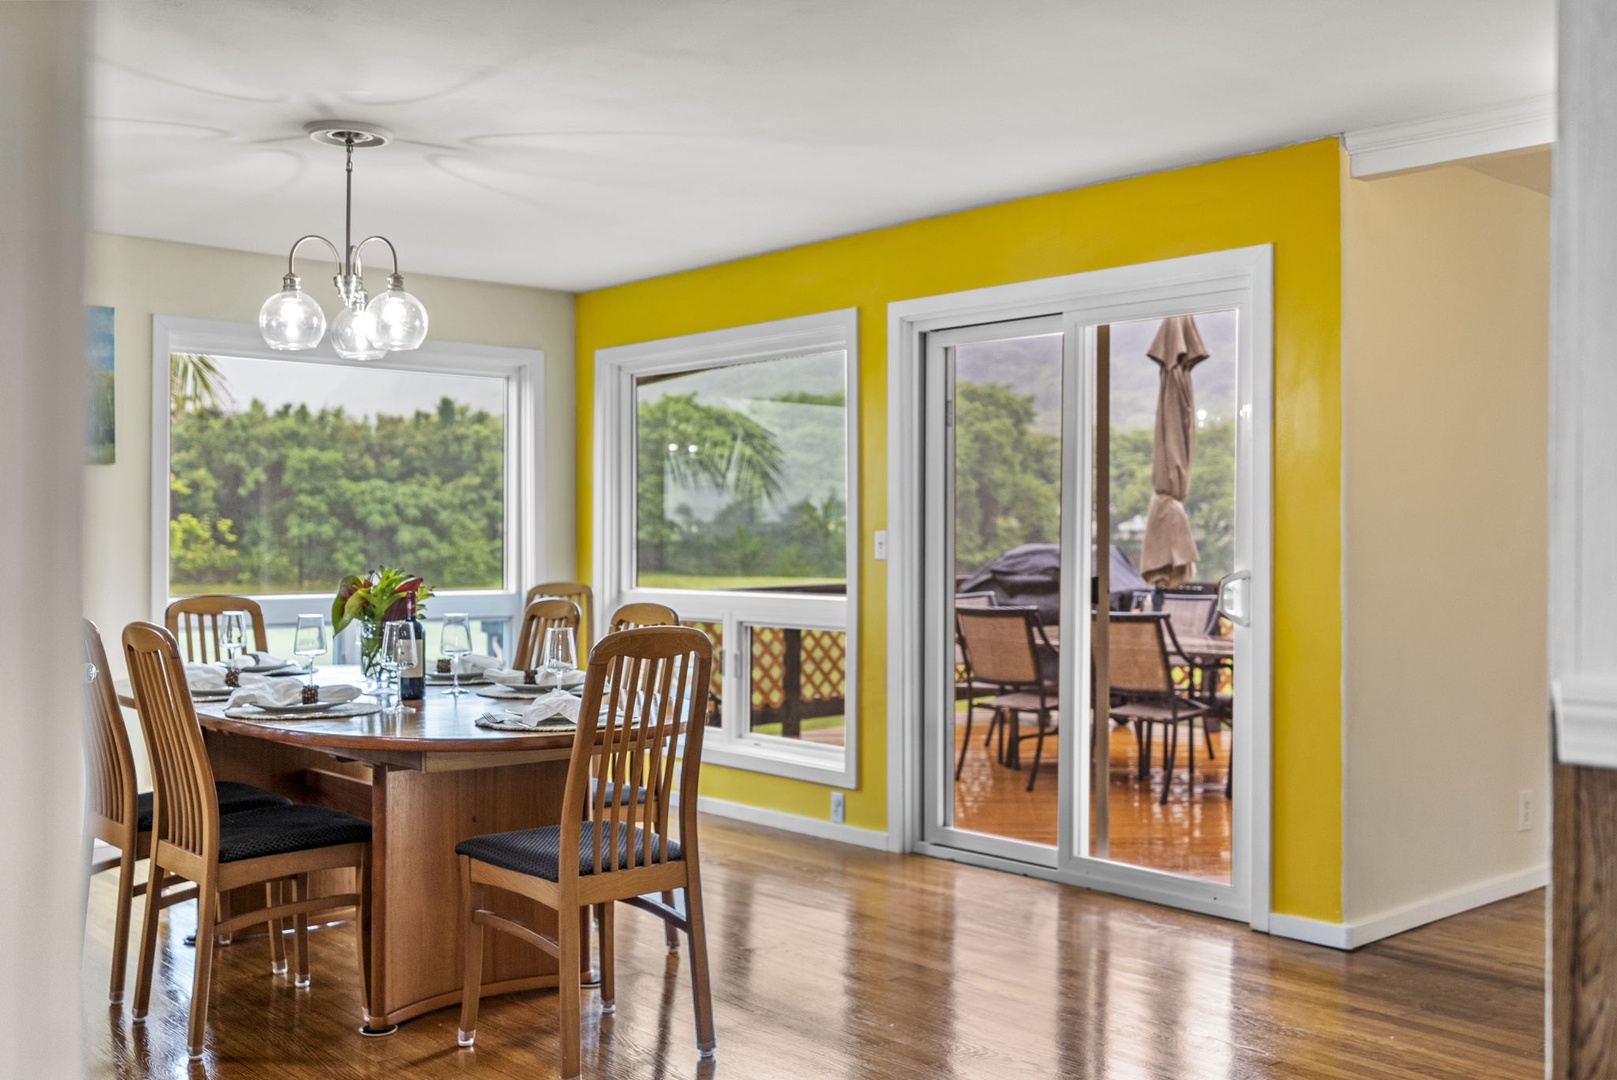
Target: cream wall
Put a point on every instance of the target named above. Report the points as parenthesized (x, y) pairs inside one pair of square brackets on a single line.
[(1445, 290), (142, 278)]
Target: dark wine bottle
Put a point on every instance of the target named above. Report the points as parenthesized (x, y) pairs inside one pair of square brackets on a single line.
[(413, 679)]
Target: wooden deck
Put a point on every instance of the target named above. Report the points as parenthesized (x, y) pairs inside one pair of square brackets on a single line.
[(833, 962), (1190, 835)]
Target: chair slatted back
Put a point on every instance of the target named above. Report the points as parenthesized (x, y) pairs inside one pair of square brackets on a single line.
[(634, 616), (643, 690), (1190, 614), (110, 781), (186, 808), (999, 642), (540, 616), (1137, 653), (194, 620), (580, 594)]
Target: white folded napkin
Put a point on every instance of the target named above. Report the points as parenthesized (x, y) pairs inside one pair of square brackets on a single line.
[(279, 693), (209, 678), (257, 659), (542, 678), (476, 663), (556, 711)]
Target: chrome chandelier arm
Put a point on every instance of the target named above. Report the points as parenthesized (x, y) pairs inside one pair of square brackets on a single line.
[(354, 255), (291, 280)]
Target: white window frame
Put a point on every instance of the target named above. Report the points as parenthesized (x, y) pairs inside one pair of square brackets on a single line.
[(523, 370), (616, 370), (1239, 278)]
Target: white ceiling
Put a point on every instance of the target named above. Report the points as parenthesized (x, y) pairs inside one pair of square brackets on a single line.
[(578, 144)]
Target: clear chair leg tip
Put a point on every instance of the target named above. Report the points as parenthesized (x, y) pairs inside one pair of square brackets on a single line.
[(465, 1038), (608, 1008), (277, 967), (707, 1054), (302, 981), (116, 999)]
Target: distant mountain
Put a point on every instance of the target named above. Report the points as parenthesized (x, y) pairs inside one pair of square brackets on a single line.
[(1031, 365)]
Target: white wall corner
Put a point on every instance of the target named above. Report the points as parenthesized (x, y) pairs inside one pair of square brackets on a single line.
[(1414, 144), (1586, 720), (1312, 931), (1360, 932)]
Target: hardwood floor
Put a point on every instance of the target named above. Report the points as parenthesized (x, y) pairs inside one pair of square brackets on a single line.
[(838, 962), (1190, 835)]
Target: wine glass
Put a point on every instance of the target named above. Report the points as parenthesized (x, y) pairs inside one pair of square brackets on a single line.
[(456, 642), (561, 654), (309, 641), (398, 652), (233, 634)]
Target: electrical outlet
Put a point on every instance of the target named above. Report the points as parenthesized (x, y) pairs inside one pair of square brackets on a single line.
[(1524, 810), (881, 544), (837, 807)]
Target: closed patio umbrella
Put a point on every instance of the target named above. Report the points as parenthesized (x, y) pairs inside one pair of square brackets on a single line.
[(1168, 555)]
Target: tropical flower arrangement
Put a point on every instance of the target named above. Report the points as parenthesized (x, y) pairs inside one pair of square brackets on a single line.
[(380, 596)]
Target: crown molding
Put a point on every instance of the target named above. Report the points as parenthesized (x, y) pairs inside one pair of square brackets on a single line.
[(1413, 144)]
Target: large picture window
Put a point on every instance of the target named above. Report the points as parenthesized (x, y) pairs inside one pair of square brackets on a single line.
[(724, 490), (275, 476)]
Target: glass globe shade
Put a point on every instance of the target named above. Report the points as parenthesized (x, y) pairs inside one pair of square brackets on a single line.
[(291, 320), (351, 333), (401, 319)]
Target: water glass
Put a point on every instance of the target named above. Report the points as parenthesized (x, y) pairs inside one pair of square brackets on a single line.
[(560, 654), (233, 633), (456, 642), (399, 651), (309, 641)]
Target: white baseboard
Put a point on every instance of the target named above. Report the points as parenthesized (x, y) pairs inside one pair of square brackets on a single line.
[(1352, 935), (1396, 921), (1313, 931), (793, 823)]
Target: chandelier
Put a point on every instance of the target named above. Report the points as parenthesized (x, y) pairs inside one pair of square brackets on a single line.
[(364, 329)]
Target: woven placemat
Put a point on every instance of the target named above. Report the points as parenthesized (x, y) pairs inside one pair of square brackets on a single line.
[(337, 712), (510, 721)]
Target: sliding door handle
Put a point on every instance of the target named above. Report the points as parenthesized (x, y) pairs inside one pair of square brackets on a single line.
[(1232, 589)]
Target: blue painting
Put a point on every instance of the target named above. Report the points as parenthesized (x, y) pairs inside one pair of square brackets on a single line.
[(100, 425)]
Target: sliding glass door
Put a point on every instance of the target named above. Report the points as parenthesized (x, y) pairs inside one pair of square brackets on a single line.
[(1095, 502)]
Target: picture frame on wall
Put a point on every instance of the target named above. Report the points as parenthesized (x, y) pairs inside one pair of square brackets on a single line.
[(100, 420)]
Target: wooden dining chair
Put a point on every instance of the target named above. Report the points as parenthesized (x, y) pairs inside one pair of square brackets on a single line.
[(277, 846), (541, 616), (1004, 648), (580, 594), (1141, 679), (644, 690), (634, 616), (118, 813), (194, 621)]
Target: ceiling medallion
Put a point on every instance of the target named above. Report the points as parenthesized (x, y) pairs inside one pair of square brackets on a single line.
[(395, 321)]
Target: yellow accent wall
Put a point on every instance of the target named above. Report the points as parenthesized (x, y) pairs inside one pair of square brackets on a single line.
[(1288, 197)]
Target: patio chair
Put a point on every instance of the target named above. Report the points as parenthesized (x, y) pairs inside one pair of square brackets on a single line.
[(1003, 647), (1141, 679)]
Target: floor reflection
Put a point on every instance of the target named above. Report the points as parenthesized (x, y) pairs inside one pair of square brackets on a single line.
[(846, 964)]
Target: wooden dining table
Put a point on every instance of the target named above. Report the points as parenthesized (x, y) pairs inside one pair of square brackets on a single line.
[(426, 777)]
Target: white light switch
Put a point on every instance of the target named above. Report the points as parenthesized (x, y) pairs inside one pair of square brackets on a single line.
[(881, 544)]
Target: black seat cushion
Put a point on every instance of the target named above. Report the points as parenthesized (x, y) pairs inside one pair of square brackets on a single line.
[(233, 798), (276, 830), (614, 795), (537, 852)]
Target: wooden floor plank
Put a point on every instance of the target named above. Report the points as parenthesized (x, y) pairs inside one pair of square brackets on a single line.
[(838, 962)]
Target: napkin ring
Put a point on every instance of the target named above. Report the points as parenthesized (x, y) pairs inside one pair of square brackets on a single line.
[(530, 677), (311, 695), (232, 678)]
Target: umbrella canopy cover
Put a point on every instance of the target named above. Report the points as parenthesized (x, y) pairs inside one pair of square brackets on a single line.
[(1168, 555)]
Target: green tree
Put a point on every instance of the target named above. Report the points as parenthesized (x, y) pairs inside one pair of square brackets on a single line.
[(1007, 475), (683, 442)]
